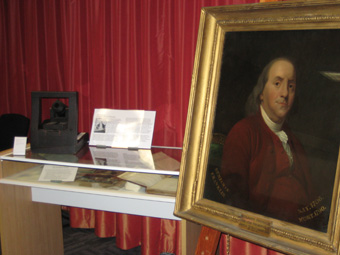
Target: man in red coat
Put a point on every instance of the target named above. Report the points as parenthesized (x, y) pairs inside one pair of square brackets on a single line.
[(264, 165)]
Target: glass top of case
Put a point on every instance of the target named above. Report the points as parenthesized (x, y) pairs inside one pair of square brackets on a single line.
[(160, 160)]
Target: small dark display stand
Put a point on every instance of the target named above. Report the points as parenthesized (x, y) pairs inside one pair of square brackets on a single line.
[(59, 134)]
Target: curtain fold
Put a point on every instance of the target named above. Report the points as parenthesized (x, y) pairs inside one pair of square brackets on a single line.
[(116, 54)]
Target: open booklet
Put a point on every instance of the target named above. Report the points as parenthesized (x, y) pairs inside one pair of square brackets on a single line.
[(154, 183), (151, 183), (122, 128)]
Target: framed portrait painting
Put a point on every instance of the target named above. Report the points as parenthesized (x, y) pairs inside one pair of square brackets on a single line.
[(261, 148)]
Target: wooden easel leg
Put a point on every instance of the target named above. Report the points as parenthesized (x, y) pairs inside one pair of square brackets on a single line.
[(208, 241)]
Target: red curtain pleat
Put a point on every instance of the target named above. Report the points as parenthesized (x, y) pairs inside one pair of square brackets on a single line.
[(117, 54)]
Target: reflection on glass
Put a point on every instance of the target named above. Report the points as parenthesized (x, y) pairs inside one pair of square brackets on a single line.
[(158, 158)]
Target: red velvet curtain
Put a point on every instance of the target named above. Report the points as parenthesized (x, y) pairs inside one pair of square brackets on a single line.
[(117, 54)]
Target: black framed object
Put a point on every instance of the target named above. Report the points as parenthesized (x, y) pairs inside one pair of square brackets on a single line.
[(59, 133)]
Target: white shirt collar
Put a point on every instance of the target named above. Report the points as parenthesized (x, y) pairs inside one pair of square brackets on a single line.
[(275, 127)]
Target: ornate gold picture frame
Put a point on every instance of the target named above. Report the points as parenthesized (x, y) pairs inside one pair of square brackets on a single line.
[(268, 173)]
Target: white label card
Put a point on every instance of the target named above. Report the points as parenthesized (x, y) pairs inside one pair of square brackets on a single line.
[(19, 147), (53, 173)]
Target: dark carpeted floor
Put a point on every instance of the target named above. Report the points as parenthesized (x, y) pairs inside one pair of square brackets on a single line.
[(85, 242)]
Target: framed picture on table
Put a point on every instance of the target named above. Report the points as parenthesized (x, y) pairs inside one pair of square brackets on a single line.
[(260, 154)]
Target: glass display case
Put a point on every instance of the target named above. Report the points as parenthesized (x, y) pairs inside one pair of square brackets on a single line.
[(28, 203), (98, 184)]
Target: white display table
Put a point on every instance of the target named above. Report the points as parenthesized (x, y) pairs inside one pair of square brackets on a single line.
[(28, 227)]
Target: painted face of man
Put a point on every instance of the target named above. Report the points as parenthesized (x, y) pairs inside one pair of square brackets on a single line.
[(278, 94)]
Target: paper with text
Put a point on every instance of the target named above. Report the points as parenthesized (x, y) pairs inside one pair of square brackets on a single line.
[(122, 128), (122, 158), (53, 173)]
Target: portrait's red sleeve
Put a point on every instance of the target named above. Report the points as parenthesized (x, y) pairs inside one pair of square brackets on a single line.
[(235, 162)]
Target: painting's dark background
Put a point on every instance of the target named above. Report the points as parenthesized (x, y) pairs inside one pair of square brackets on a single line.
[(316, 115)]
